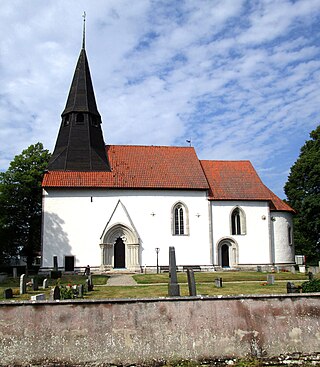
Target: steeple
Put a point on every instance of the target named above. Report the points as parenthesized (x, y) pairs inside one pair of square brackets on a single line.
[(80, 145)]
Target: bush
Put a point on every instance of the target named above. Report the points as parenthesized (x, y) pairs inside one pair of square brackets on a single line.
[(311, 286)]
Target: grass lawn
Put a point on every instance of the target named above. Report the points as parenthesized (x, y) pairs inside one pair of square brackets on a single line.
[(156, 285), (228, 276)]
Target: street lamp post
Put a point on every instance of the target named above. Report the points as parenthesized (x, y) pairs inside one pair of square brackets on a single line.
[(157, 251)]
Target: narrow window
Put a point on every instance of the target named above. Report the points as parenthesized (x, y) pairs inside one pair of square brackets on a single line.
[(238, 223), (290, 235), (180, 220)]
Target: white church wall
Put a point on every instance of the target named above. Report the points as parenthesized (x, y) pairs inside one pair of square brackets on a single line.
[(253, 247), (283, 240), (74, 220)]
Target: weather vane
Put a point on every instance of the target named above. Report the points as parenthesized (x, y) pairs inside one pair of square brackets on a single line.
[(84, 30)]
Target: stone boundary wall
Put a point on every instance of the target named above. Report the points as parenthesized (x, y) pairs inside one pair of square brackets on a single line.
[(148, 330)]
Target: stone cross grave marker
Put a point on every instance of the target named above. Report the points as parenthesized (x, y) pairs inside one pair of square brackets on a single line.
[(23, 284), (173, 288)]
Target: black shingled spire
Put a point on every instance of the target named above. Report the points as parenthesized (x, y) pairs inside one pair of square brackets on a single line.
[(80, 145)]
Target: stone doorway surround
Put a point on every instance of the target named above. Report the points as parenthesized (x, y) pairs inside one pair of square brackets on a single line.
[(131, 247), (228, 253)]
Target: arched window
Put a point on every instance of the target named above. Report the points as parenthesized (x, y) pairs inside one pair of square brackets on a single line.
[(238, 222), (180, 220)]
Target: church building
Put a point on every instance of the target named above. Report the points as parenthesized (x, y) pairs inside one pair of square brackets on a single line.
[(122, 206)]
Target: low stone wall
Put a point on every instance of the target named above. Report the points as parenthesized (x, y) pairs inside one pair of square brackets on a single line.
[(137, 331)]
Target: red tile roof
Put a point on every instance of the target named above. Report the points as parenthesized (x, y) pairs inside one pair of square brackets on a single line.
[(159, 167), (238, 180), (139, 167)]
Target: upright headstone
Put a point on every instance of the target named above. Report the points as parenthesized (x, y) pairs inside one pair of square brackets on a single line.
[(218, 282), (90, 284), (173, 288), (55, 293), (8, 293), (191, 283), (270, 279), (259, 268), (45, 283), (35, 285), (15, 273), (87, 286), (23, 284), (80, 290), (55, 263)]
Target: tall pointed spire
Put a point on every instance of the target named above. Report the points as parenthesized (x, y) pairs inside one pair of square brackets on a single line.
[(80, 145)]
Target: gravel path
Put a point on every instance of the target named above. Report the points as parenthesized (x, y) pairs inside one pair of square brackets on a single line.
[(121, 280)]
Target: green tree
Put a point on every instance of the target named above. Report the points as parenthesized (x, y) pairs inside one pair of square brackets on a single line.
[(20, 204), (303, 193)]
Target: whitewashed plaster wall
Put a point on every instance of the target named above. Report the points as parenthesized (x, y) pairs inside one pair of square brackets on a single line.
[(283, 245), (254, 247), (74, 221)]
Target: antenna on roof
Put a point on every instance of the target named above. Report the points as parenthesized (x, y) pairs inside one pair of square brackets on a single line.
[(84, 31), (189, 141)]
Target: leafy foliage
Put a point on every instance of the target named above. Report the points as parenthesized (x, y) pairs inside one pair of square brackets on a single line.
[(303, 193), (20, 204), (311, 286)]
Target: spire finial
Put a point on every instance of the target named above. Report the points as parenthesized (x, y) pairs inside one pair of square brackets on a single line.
[(84, 31)]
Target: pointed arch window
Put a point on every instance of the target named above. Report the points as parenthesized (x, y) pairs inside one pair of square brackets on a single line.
[(238, 222), (180, 220)]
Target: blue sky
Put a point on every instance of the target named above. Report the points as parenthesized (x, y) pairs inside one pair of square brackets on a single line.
[(238, 78)]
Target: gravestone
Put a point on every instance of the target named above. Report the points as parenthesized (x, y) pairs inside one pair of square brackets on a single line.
[(310, 275), (35, 285), (259, 268), (291, 288), (55, 293), (270, 279), (38, 297), (191, 283), (80, 290), (218, 282), (23, 284), (8, 293), (55, 263), (45, 283), (90, 283), (88, 286), (15, 273), (173, 288)]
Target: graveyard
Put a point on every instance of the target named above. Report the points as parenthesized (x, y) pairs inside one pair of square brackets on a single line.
[(152, 285)]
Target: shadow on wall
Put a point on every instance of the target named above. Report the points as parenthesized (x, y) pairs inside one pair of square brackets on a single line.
[(55, 240)]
